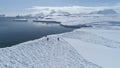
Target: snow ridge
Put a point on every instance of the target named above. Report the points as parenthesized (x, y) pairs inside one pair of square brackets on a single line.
[(43, 54)]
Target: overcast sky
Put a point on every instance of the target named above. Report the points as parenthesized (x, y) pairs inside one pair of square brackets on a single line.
[(17, 6)]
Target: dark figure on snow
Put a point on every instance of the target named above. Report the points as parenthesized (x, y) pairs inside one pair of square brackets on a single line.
[(58, 39), (47, 39)]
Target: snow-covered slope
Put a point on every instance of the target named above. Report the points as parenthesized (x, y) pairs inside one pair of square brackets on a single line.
[(85, 19), (90, 37), (43, 54), (100, 46), (104, 56), (51, 13), (105, 12), (96, 37), (60, 13)]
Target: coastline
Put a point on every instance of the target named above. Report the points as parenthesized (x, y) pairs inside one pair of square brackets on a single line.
[(41, 53)]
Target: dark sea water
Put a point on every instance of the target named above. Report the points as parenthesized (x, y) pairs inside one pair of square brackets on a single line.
[(14, 32)]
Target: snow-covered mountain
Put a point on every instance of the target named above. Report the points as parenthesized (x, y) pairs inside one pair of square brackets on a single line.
[(105, 11), (43, 54), (39, 15), (2, 15), (61, 13), (53, 13)]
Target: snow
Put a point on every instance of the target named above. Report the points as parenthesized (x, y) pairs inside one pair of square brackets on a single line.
[(77, 15), (85, 19), (100, 43), (60, 13), (96, 38), (97, 46), (104, 56), (109, 34), (100, 46), (73, 9), (41, 53), (105, 11)]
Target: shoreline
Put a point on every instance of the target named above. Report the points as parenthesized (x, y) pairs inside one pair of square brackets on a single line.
[(50, 51)]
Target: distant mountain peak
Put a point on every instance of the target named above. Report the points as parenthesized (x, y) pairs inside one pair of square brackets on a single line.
[(105, 11)]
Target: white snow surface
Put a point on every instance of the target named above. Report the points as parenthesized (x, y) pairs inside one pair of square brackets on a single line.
[(85, 19), (104, 56), (43, 54), (105, 11), (100, 46), (101, 38)]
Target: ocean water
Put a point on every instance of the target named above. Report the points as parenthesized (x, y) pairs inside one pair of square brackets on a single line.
[(15, 32)]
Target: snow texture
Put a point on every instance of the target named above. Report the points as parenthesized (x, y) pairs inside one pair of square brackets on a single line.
[(104, 56), (43, 54), (91, 37)]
